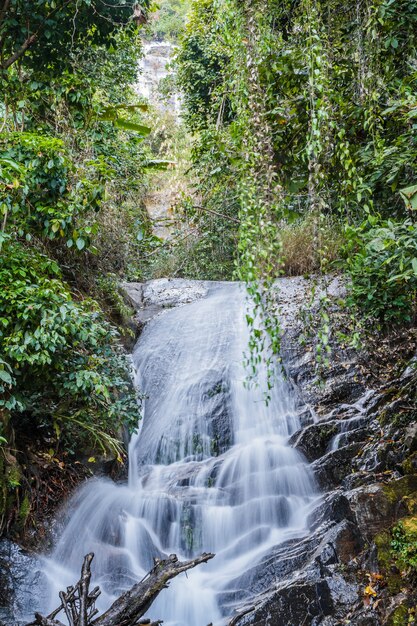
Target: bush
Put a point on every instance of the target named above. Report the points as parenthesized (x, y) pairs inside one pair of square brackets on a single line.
[(404, 545), (41, 197), (61, 364), (382, 265)]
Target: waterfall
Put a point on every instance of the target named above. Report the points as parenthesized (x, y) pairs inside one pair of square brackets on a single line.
[(209, 470)]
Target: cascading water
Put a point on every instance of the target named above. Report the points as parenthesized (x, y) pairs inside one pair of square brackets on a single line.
[(210, 470)]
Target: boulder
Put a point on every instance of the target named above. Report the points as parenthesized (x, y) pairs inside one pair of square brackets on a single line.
[(152, 297), (334, 466), (378, 506), (20, 574), (315, 596), (314, 440)]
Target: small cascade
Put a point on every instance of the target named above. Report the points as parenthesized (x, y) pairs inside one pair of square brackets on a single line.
[(154, 68), (209, 470)]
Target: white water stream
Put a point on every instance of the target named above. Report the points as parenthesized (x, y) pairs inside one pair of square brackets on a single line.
[(210, 470)]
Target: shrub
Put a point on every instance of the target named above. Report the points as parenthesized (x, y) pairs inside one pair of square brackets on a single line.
[(61, 364), (382, 265), (404, 545)]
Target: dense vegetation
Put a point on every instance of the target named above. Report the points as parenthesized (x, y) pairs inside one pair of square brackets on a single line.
[(169, 20), (72, 164), (304, 121)]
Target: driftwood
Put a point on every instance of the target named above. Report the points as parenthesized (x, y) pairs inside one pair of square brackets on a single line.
[(78, 603)]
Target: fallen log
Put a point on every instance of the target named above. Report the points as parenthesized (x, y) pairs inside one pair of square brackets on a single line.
[(78, 603), (127, 609)]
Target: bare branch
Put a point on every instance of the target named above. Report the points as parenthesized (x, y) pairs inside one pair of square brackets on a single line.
[(127, 610), (78, 603), (84, 588), (225, 217), (19, 53)]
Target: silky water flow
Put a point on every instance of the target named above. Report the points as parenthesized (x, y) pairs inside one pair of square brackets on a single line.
[(209, 470)]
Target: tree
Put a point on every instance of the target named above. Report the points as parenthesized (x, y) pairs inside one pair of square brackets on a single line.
[(43, 31)]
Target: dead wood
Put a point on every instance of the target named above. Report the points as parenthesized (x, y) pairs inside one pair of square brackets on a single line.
[(78, 603), (127, 610)]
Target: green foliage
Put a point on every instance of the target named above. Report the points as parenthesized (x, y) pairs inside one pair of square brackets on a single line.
[(304, 113), (404, 545), (382, 265), (39, 196), (169, 21), (44, 31), (68, 372), (72, 164)]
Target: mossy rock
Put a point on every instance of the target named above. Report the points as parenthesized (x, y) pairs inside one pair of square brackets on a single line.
[(410, 527), (409, 466), (399, 489), (399, 617), (386, 562)]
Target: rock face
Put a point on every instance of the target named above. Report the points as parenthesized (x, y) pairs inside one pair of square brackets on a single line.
[(19, 575), (150, 299)]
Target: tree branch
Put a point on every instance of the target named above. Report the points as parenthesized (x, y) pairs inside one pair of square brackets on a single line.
[(19, 53), (78, 603), (226, 217), (127, 610), (84, 589), (31, 39), (3, 10)]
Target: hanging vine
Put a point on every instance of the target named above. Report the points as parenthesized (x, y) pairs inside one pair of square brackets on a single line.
[(261, 198)]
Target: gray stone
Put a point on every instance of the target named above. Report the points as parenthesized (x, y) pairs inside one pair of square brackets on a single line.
[(373, 509), (314, 440), (334, 466), (21, 584)]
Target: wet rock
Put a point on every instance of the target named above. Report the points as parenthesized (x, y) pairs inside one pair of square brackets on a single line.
[(298, 602), (341, 388), (365, 617), (315, 596), (215, 397), (19, 575), (410, 439), (314, 440), (375, 508), (306, 417), (334, 508), (150, 298), (334, 466), (340, 544)]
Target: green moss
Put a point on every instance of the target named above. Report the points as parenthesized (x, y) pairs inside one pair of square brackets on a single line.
[(410, 464), (399, 617), (14, 476), (24, 511), (401, 488), (386, 561)]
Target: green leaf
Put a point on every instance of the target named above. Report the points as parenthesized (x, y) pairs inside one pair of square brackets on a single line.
[(159, 164), (409, 195), (137, 128), (80, 243), (414, 265), (5, 377), (11, 164)]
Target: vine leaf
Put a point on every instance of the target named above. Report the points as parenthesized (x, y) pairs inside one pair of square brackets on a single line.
[(409, 195)]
